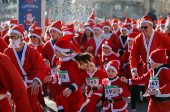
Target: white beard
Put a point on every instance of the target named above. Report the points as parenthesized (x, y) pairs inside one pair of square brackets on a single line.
[(76, 27), (162, 29), (14, 44), (97, 38), (107, 36), (30, 19)]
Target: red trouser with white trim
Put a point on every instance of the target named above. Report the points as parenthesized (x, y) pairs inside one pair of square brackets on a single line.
[(158, 107), (91, 106), (5, 105)]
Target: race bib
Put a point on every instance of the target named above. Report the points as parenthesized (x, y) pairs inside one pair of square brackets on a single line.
[(109, 92), (153, 83), (92, 82), (105, 64), (63, 76), (53, 70)]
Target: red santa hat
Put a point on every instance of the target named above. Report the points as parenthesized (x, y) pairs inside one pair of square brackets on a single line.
[(98, 26), (120, 21), (134, 22), (18, 29), (27, 14), (114, 21), (146, 19), (132, 36), (32, 27), (127, 21), (63, 44), (93, 61), (124, 27), (158, 56), (106, 25), (113, 65), (36, 32), (70, 25), (107, 43), (56, 25), (90, 27), (13, 22), (162, 21), (68, 31), (92, 17)]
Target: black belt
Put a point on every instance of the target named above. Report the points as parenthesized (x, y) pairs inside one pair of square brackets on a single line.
[(111, 101), (140, 64), (66, 85), (27, 75), (91, 89)]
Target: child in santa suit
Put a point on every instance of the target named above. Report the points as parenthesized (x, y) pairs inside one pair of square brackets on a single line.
[(114, 90), (107, 54), (68, 77), (92, 78), (159, 82), (124, 61)]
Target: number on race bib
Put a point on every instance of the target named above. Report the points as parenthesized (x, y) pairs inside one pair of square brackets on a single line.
[(92, 81)]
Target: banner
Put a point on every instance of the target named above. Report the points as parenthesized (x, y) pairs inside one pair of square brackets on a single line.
[(29, 12)]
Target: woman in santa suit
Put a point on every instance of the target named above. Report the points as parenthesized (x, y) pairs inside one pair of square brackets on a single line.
[(88, 33), (35, 39), (95, 43)]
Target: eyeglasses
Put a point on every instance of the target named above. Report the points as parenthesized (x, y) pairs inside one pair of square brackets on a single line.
[(15, 37), (145, 27), (32, 36)]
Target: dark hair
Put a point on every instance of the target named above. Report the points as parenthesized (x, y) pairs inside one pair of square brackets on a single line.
[(84, 37), (83, 57)]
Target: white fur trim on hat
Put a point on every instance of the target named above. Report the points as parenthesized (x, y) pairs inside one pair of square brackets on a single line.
[(33, 34), (97, 28), (105, 45), (146, 21), (91, 20), (87, 27), (67, 33), (12, 24), (56, 29), (15, 31), (129, 38), (92, 63), (106, 27), (128, 23), (60, 49), (115, 23), (155, 63), (111, 68), (162, 24)]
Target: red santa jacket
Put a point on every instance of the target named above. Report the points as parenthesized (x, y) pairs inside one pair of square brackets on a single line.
[(84, 44), (162, 74), (105, 58), (3, 32), (121, 45), (48, 53), (3, 45), (38, 47), (97, 49), (115, 42), (68, 76), (31, 66), (109, 94), (93, 80), (140, 50), (6, 39), (78, 36), (11, 81)]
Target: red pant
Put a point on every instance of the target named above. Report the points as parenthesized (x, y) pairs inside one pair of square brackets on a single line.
[(158, 107), (53, 90), (5, 105), (91, 106)]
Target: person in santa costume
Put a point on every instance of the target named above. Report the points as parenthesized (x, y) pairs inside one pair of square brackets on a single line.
[(35, 39), (3, 45), (123, 40), (13, 22), (116, 28), (88, 33), (68, 77), (159, 82), (114, 90), (47, 36), (107, 54), (131, 29), (48, 53), (5, 30), (162, 27), (107, 34), (10, 80), (92, 78), (28, 63), (167, 31), (91, 18), (95, 43), (145, 43)]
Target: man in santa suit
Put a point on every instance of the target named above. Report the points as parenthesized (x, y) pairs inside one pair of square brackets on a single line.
[(28, 63), (13, 22), (116, 28), (5, 30), (145, 43), (108, 34), (130, 27), (3, 45), (9, 81), (162, 25), (48, 53)]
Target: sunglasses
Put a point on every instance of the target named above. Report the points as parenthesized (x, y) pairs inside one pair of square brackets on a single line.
[(15, 37), (145, 27), (32, 36)]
